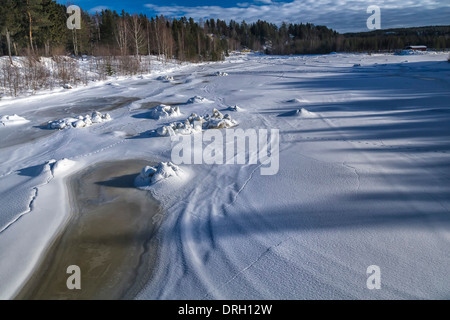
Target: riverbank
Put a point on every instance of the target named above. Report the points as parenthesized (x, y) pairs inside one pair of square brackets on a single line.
[(109, 236)]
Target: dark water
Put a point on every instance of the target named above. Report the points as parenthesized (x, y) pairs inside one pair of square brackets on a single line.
[(109, 238)]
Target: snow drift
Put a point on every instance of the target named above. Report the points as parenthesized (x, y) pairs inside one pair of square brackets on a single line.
[(14, 120)]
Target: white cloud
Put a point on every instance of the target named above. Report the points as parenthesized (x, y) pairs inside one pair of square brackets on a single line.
[(342, 15), (98, 9)]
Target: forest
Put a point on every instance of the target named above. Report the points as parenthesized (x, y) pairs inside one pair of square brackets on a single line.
[(38, 27)]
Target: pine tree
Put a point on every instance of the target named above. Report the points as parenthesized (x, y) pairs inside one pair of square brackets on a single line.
[(35, 16), (9, 27)]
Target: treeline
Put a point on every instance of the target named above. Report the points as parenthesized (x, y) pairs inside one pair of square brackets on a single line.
[(39, 27), (435, 37)]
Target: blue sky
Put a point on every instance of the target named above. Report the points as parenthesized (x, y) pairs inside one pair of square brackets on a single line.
[(341, 15)]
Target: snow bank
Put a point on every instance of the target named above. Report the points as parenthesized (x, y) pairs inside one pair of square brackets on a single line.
[(14, 120), (196, 123), (198, 99), (163, 171), (164, 111), (80, 121)]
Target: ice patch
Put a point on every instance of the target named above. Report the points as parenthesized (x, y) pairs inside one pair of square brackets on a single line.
[(163, 171), (80, 121), (14, 120), (163, 111), (198, 99)]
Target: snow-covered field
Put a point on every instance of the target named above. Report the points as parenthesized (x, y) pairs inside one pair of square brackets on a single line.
[(364, 176)]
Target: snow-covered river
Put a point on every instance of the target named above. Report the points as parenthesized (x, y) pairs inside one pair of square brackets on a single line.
[(364, 177)]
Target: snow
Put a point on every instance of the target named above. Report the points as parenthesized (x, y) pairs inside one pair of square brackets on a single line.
[(235, 109), (162, 111), (410, 52), (165, 78), (221, 74), (198, 99), (14, 120), (161, 172), (80, 121), (365, 181), (195, 124), (62, 166), (302, 113)]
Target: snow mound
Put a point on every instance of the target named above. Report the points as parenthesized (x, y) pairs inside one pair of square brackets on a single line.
[(179, 128), (163, 171), (218, 121), (195, 123), (198, 99), (80, 121), (302, 113), (165, 78), (221, 74), (235, 109), (164, 111), (306, 114), (14, 120)]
